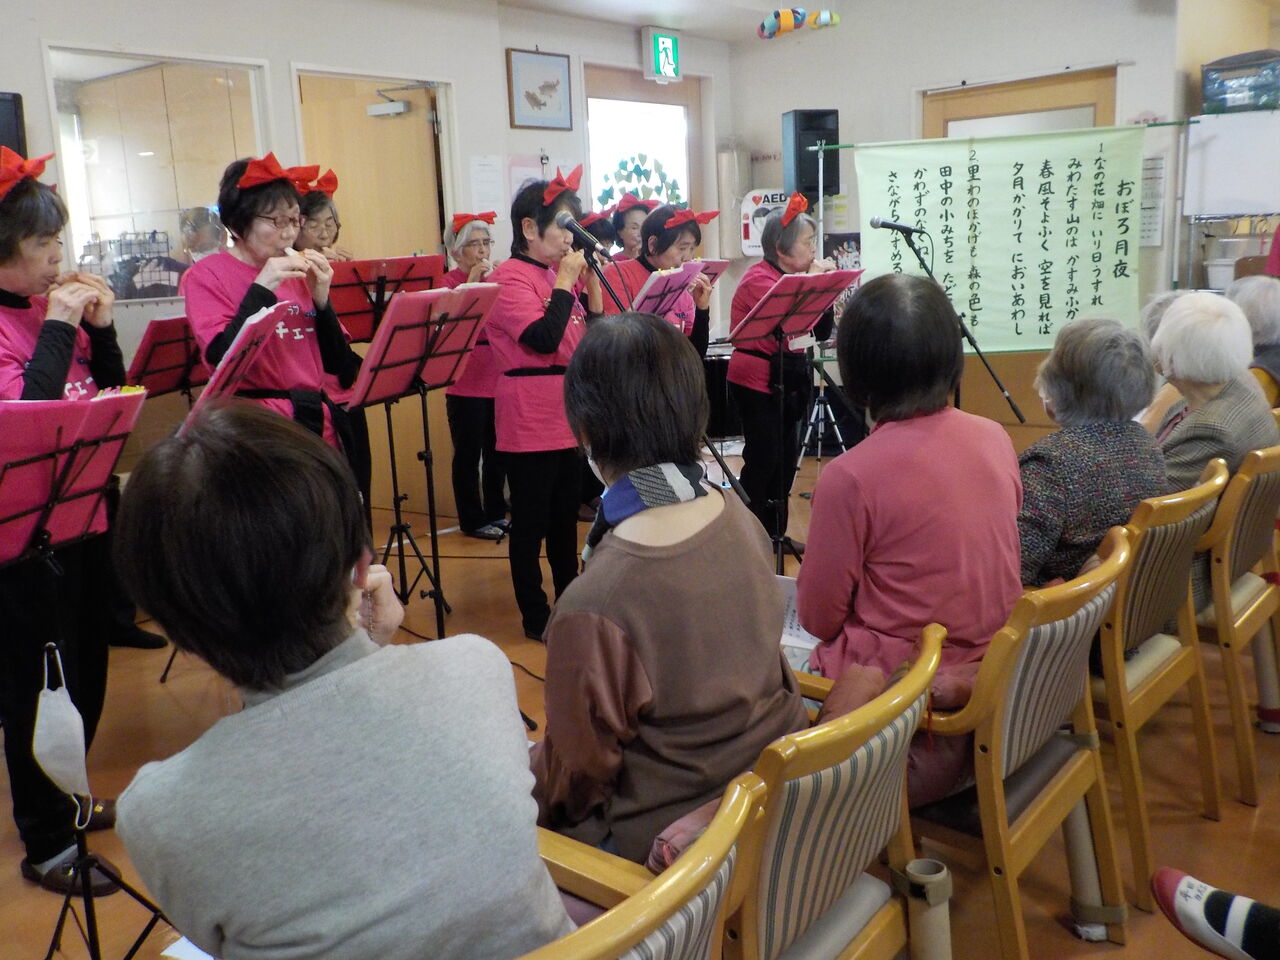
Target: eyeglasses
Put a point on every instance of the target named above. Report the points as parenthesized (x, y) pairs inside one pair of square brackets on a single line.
[(281, 223), (478, 243)]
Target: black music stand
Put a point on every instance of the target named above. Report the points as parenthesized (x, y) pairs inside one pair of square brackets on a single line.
[(419, 347), (791, 308), (252, 338), (56, 497), (168, 359), (361, 290)]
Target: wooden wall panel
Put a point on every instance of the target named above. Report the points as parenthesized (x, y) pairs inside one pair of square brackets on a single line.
[(200, 129)]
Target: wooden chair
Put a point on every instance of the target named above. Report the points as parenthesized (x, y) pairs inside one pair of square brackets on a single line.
[(835, 797), (1249, 266), (1142, 666), (1246, 582), (829, 800), (1030, 775), (677, 915)]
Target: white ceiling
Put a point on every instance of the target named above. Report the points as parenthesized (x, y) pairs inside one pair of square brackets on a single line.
[(727, 20)]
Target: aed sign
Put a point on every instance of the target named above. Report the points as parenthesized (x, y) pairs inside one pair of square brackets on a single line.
[(661, 55), (756, 207)]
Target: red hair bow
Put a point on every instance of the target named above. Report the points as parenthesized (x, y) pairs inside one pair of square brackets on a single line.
[(592, 217), (327, 184), (630, 201), (460, 220), (268, 168), (561, 184), (14, 169), (681, 217), (798, 204)]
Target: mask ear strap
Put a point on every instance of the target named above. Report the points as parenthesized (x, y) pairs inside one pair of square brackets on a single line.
[(52, 648)]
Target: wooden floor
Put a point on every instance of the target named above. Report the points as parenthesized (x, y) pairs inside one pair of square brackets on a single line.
[(146, 721)]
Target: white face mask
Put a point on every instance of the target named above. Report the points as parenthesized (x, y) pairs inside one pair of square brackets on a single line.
[(58, 741)]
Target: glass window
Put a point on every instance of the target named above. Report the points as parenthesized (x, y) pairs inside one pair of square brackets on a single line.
[(143, 143), (637, 148)]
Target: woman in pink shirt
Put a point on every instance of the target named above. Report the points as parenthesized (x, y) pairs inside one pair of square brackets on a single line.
[(478, 478), (765, 378), (534, 328), (919, 522), (669, 238), (259, 204), (628, 217)]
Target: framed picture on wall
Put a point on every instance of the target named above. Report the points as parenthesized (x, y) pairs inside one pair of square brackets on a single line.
[(538, 92)]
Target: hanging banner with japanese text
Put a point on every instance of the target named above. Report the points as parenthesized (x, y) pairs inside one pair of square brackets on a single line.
[(1025, 233)]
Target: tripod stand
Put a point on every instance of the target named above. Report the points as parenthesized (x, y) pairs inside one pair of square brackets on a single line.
[(821, 418), (85, 863)]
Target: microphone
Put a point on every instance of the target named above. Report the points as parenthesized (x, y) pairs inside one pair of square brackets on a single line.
[(565, 221), (880, 223)]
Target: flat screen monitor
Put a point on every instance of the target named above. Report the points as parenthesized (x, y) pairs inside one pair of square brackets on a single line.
[(13, 132)]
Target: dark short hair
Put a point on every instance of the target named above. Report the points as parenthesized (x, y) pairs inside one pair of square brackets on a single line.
[(238, 207), (29, 209), (898, 346), (239, 537), (603, 231), (775, 236), (655, 226), (635, 393), (527, 203)]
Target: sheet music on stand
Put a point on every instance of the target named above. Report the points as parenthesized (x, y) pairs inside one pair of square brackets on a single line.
[(713, 269), (362, 289), (424, 336), (250, 340), (56, 461), (168, 359), (664, 287), (795, 303)]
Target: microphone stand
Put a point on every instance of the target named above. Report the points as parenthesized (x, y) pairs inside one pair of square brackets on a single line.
[(968, 335), (604, 284)]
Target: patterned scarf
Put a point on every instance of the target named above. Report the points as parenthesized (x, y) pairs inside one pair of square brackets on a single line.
[(657, 486)]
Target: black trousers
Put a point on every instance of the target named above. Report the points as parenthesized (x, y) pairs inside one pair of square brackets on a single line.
[(768, 466), (544, 506), (478, 473), (73, 610)]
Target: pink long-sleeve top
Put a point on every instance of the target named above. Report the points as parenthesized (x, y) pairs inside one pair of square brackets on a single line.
[(529, 396), (917, 524), (480, 372)]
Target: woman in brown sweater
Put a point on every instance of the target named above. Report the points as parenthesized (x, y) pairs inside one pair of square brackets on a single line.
[(665, 677)]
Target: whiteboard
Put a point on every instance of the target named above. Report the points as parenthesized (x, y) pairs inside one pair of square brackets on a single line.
[(1233, 164)]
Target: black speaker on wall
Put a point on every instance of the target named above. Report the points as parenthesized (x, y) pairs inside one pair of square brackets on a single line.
[(802, 129), (13, 131)]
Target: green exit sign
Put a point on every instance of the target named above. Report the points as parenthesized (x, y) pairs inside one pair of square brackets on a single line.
[(661, 55)]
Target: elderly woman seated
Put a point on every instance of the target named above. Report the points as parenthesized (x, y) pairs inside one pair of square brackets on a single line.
[(1259, 297), (1088, 476), (665, 677), (1204, 348), (368, 800), (1166, 393), (918, 522)]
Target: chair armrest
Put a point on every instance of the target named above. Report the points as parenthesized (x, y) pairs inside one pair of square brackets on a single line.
[(590, 873), (956, 722), (813, 686)]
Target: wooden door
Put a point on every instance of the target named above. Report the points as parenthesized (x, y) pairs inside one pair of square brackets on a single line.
[(389, 204), (1015, 100)]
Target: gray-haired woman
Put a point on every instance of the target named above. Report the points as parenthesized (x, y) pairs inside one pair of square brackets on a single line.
[(1259, 297), (1204, 347), (1089, 475)]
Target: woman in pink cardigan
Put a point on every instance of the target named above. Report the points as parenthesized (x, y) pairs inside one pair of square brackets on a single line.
[(918, 522)]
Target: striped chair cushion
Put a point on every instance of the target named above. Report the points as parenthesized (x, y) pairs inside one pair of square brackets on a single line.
[(1255, 524), (1048, 679), (1158, 575), (687, 934), (826, 829)]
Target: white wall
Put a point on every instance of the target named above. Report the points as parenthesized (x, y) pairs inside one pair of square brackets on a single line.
[(874, 66)]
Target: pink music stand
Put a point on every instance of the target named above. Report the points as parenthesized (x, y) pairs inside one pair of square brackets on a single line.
[(361, 289), (168, 359), (791, 308), (56, 460), (229, 375), (419, 347), (663, 288), (712, 269)]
